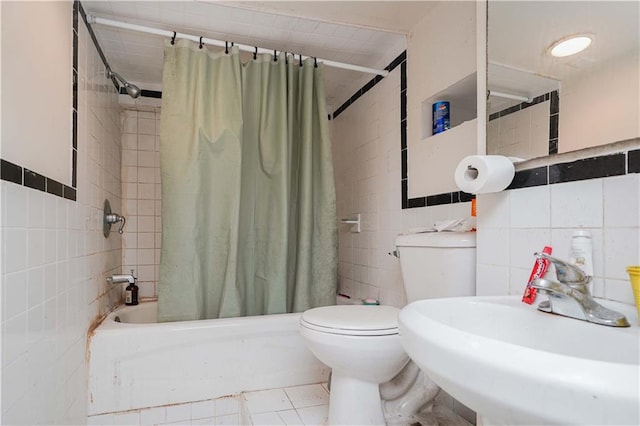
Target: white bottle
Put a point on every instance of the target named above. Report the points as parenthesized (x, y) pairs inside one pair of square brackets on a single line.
[(582, 251)]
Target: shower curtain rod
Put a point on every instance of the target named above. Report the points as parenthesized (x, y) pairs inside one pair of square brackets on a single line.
[(92, 19)]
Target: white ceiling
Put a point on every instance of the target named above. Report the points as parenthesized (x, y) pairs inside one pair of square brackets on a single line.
[(367, 33)]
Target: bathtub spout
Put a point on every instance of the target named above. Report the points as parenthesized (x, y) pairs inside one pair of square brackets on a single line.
[(122, 278)]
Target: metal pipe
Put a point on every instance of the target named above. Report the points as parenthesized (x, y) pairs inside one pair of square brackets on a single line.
[(92, 19)]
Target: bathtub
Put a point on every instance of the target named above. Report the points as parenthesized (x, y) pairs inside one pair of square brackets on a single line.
[(135, 362)]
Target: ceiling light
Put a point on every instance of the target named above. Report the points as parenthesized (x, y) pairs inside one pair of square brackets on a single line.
[(570, 45)]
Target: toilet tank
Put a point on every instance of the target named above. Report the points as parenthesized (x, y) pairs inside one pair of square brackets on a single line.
[(438, 264)]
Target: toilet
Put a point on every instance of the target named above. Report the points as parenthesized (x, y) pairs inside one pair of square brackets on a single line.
[(360, 343)]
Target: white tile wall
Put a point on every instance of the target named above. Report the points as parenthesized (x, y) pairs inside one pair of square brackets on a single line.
[(54, 264), (366, 152), (141, 195), (512, 225)]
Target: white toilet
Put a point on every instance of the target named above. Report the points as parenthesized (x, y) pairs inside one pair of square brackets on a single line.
[(361, 343)]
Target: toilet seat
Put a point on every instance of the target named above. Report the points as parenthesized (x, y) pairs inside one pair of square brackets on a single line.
[(352, 320)]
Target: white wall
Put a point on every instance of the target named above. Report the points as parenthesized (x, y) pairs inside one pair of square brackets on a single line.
[(36, 86), (512, 225), (441, 51), (600, 105), (55, 259)]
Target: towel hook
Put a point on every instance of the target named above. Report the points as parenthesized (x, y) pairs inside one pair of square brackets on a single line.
[(173, 39), (200, 42)]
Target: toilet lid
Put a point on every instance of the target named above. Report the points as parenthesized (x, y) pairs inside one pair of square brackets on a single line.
[(354, 320)]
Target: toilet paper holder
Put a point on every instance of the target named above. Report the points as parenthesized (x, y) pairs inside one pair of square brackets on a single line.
[(354, 221)]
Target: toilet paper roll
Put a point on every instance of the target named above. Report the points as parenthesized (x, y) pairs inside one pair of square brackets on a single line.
[(482, 174)]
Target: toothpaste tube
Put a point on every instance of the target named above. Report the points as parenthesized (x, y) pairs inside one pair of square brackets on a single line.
[(539, 269)]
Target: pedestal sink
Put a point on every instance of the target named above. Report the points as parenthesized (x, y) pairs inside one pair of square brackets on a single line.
[(515, 365)]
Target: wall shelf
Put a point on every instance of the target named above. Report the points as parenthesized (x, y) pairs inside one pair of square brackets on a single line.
[(462, 96)]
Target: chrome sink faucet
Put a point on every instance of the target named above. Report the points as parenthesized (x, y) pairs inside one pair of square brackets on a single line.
[(569, 296)]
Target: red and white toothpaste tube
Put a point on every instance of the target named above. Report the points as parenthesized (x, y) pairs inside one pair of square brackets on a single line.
[(539, 269)]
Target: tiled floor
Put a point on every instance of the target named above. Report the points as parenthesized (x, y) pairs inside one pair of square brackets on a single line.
[(306, 405), (301, 405)]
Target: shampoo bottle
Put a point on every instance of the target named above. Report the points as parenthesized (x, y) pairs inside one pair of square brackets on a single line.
[(582, 251), (131, 292)]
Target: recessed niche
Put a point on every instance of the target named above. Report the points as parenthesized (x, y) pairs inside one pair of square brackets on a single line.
[(462, 98)]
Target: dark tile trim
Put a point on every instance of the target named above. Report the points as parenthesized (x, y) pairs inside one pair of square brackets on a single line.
[(633, 161), (529, 178), (401, 58), (588, 168), (34, 180), (10, 172)]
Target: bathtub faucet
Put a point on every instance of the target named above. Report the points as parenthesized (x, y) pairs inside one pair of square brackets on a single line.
[(122, 278)]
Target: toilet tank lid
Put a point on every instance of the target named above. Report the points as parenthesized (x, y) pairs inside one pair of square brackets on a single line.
[(437, 239)]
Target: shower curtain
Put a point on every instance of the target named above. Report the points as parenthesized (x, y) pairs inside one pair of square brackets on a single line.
[(248, 199)]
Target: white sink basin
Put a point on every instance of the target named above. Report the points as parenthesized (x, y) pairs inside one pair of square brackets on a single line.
[(513, 364)]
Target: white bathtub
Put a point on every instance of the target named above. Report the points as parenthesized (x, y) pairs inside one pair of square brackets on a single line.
[(138, 363)]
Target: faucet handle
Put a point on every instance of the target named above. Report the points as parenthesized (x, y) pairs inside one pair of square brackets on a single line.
[(565, 271)]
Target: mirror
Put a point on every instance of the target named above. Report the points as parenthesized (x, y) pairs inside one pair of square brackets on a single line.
[(540, 104)]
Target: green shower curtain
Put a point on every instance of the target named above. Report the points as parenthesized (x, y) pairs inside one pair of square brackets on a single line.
[(248, 199)]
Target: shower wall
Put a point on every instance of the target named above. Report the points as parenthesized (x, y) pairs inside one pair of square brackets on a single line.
[(141, 196), (54, 257), (366, 144)]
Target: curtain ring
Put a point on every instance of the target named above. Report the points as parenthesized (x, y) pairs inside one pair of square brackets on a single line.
[(173, 39), (315, 62), (201, 42), (275, 56), (300, 56), (255, 53), (226, 47)]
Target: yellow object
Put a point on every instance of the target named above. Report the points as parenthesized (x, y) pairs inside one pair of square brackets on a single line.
[(634, 276), (473, 207)]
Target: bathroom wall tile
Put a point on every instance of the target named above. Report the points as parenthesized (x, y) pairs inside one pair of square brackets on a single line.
[(621, 249), (577, 204), (14, 295), (524, 243), (492, 280), (622, 201), (619, 290), (495, 245), (493, 210), (518, 279), (530, 208)]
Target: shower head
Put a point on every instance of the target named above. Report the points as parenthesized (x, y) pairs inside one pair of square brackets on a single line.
[(132, 89)]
